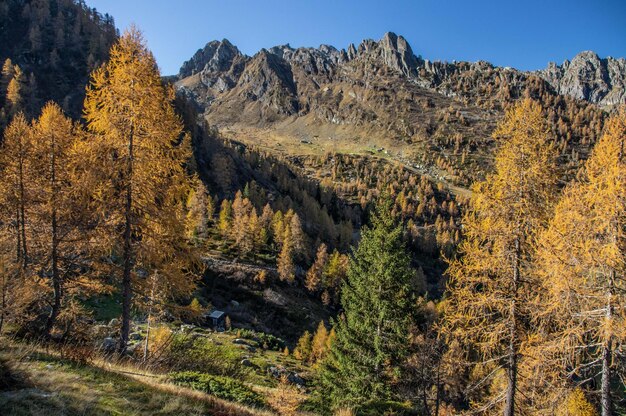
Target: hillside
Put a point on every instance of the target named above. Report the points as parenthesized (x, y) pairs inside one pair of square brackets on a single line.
[(56, 43)]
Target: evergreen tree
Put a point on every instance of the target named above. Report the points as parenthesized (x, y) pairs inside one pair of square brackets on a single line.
[(373, 334)]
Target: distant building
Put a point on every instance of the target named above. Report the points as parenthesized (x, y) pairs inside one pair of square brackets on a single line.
[(216, 319)]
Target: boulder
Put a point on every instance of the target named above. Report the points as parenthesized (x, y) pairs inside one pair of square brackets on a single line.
[(108, 345)]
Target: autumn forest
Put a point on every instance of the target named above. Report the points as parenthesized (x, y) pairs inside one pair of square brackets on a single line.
[(156, 258)]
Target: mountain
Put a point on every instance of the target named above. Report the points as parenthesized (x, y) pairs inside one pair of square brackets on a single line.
[(380, 96)]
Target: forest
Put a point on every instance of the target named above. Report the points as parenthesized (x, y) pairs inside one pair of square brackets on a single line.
[(144, 250)]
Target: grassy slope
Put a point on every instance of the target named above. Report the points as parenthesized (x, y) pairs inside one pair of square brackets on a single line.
[(52, 386)]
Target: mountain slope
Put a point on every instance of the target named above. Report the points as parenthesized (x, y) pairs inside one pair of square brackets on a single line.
[(57, 44)]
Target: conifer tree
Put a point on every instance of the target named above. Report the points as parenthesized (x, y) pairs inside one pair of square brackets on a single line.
[(225, 218), (6, 76), (582, 264), (15, 91), (199, 211), (303, 350), (319, 343), (15, 162), (316, 272), (284, 263), (54, 211), (372, 337), (142, 151), (490, 289)]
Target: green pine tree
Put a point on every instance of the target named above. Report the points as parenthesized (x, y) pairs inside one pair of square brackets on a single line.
[(372, 335)]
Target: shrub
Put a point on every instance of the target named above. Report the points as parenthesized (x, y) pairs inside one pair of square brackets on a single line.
[(222, 387), (262, 339), (193, 353), (387, 408)]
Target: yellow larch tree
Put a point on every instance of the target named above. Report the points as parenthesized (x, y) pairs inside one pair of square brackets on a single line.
[(142, 150), (582, 263), (490, 284), (55, 211), (15, 163)]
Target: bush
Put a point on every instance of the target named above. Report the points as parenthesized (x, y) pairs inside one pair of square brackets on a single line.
[(223, 387), (387, 408), (193, 353), (262, 339)]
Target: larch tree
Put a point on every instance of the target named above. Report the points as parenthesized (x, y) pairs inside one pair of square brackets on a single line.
[(15, 164), (15, 91), (54, 207), (372, 336), (225, 218), (142, 150), (285, 262), (316, 272), (582, 264), (199, 212), (53, 139), (490, 284)]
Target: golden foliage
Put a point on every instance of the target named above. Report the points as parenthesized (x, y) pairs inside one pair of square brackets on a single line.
[(489, 287), (286, 399), (582, 263)]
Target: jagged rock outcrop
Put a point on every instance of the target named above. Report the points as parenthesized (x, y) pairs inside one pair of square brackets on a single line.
[(588, 77), (396, 53), (215, 57), (268, 79)]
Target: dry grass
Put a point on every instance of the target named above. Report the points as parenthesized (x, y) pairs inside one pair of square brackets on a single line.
[(54, 386)]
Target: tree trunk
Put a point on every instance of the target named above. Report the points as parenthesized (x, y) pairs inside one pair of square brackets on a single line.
[(18, 248), (56, 276), (23, 214), (128, 253), (509, 407), (4, 300), (607, 405), (607, 355)]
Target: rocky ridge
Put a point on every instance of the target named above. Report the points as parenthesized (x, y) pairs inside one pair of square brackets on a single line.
[(219, 67), (588, 77)]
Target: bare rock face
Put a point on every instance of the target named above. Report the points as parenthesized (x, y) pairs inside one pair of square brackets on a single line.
[(396, 53), (587, 77), (216, 56), (268, 79)]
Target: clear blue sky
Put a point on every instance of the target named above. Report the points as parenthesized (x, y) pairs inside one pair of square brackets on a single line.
[(524, 34)]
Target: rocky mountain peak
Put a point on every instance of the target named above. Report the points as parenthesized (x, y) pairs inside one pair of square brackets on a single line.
[(588, 77), (216, 56), (397, 53)]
